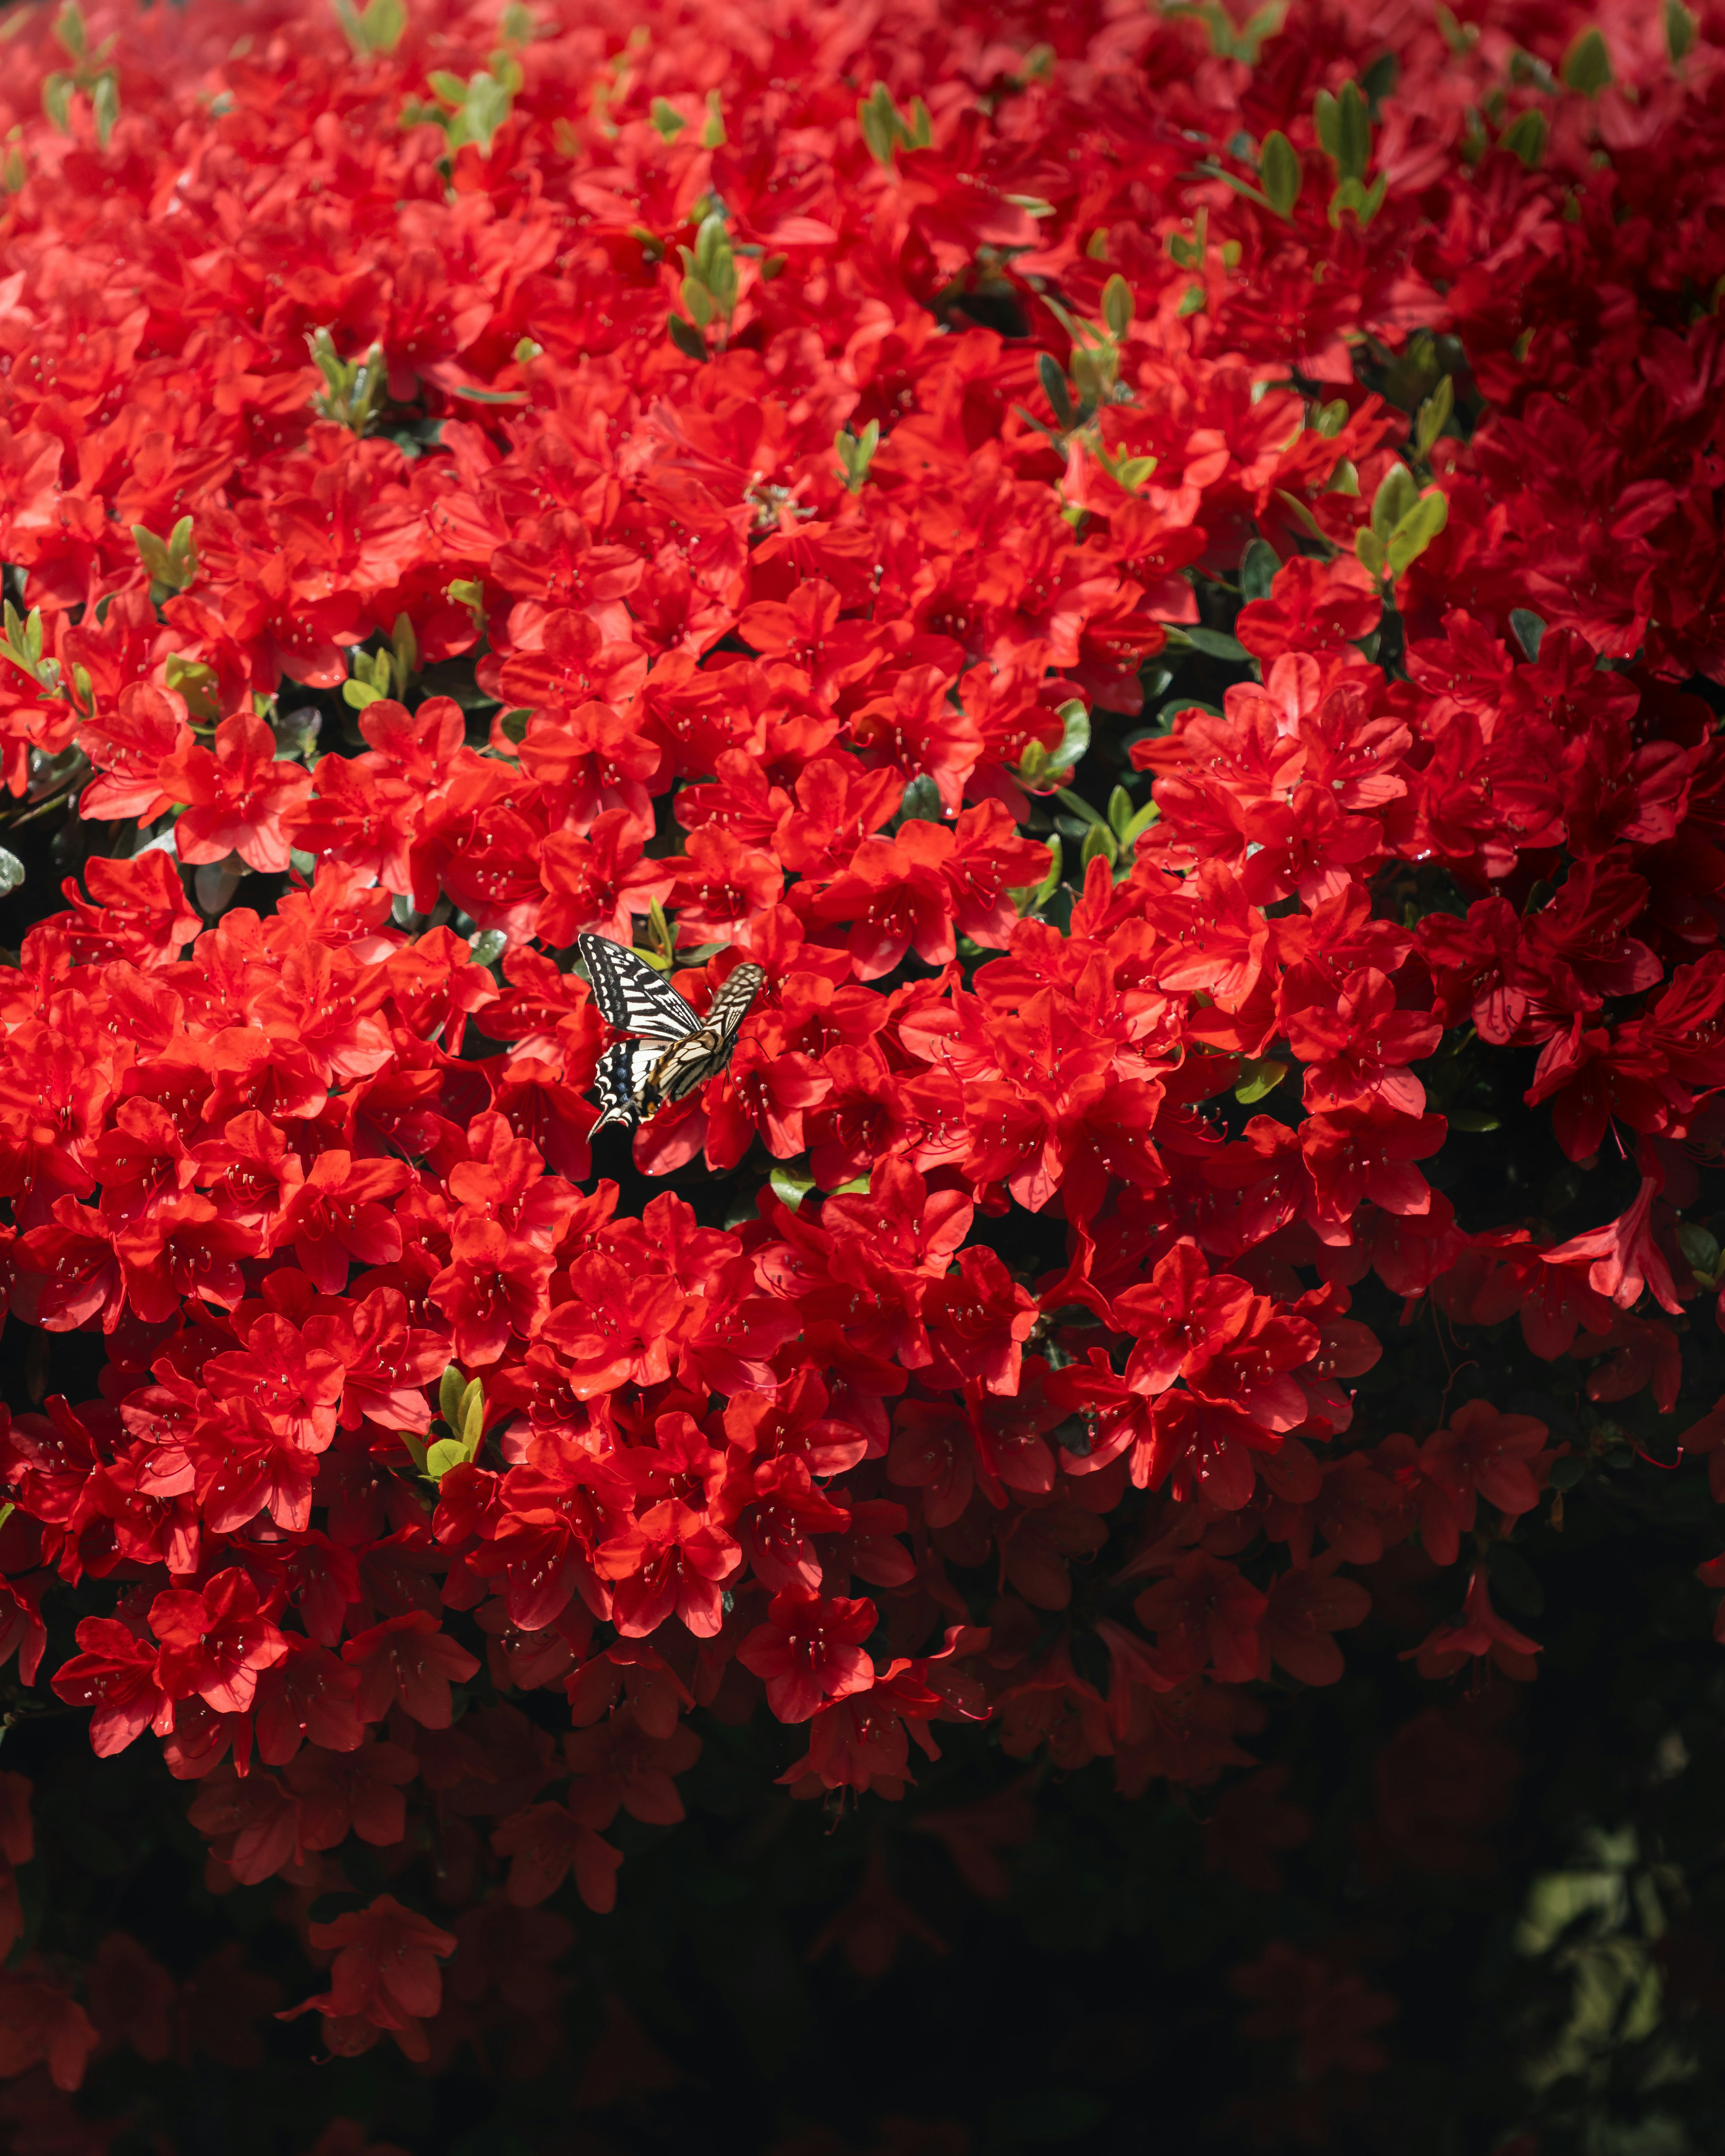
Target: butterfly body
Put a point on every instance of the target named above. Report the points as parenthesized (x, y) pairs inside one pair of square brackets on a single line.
[(673, 1048)]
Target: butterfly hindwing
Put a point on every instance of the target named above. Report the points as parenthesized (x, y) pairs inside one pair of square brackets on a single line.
[(624, 1082), (631, 997)]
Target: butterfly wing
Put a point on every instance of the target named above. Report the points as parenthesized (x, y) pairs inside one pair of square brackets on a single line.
[(624, 1082), (731, 1007), (631, 997)]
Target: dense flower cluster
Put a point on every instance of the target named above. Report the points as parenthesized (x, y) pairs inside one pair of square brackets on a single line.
[(744, 492)]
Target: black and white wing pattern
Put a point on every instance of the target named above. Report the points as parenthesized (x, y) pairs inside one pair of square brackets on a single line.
[(674, 1049), (631, 997)]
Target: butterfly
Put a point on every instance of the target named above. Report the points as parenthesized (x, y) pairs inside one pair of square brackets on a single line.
[(674, 1049)]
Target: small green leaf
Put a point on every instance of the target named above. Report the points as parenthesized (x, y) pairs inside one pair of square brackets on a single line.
[(1700, 1247), (1098, 843), (1217, 643), (1473, 1119), (451, 1386), (1396, 495), (1416, 530), (1525, 138), (665, 120), (1345, 131), (921, 801), (1054, 388), (790, 1184), (1680, 28), (471, 1427), (1529, 630), (1258, 1079), (1079, 806), (416, 1448), (1120, 811), (1117, 307), (11, 871), (1074, 744), (1587, 64), (1280, 171), (1258, 565), (687, 339), (448, 1452), (1434, 416)]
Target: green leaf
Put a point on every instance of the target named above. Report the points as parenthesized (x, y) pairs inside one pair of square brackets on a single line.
[(105, 106), (1280, 171), (790, 1184), (488, 946), (1416, 530), (1587, 64), (358, 694), (1120, 811), (1345, 131), (1396, 495), (451, 1388), (1098, 843), (448, 1452), (665, 120), (1079, 806), (1473, 1119), (1054, 388), (472, 1425), (1217, 643), (1529, 630), (474, 395), (1373, 557), (1525, 137), (921, 801), (1434, 416), (1679, 28), (1700, 1247), (1117, 307), (11, 871), (1258, 565), (1073, 743), (416, 1448), (1258, 1079), (687, 339)]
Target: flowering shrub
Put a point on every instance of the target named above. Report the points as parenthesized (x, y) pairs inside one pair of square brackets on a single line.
[(1159, 575)]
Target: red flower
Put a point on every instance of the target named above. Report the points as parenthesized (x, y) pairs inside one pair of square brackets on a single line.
[(239, 795), (336, 1216), (214, 1643), (385, 1971), (809, 1650)]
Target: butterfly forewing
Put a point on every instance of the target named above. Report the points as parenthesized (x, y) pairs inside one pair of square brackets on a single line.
[(631, 997), (675, 1050)]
